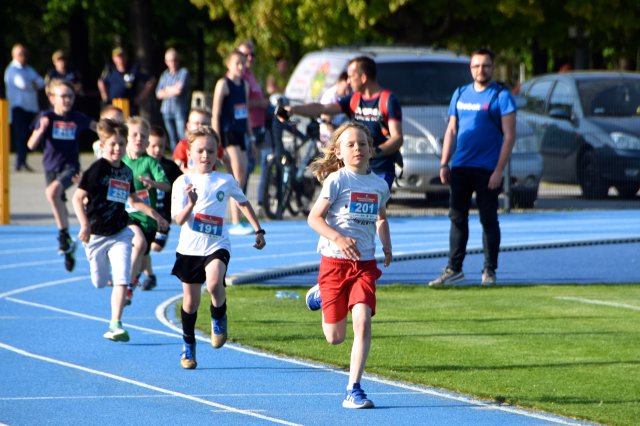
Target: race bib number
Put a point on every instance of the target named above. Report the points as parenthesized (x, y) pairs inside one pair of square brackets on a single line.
[(210, 226), (240, 111), (118, 191), (363, 206), (143, 194), (64, 130)]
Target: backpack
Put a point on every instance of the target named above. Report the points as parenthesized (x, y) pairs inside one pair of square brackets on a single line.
[(382, 104), (495, 120)]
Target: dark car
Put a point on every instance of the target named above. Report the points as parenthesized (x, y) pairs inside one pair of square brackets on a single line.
[(587, 126)]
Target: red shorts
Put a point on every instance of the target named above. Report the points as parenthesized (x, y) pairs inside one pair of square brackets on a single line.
[(345, 283)]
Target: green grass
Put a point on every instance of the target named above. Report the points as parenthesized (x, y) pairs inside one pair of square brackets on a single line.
[(520, 345)]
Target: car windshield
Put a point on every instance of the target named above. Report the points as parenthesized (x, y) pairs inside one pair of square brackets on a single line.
[(423, 83), (612, 97)]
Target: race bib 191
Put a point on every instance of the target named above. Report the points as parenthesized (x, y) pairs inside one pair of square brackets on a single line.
[(210, 226), (118, 191), (363, 206)]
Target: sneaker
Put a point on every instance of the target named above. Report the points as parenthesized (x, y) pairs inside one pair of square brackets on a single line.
[(240, 229), (117, 334), (69, 257), (218, 332), (448, 277), (314, 302), (149, 283), (188, 356), (356, 398), (488, 277), (65, 243)]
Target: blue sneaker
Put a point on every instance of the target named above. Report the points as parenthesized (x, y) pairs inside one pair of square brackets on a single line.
[(314, 302), (188, 356), (240, 229), (218, 332), (356, 398)]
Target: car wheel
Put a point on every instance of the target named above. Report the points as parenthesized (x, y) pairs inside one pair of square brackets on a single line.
[(524, 199), (592, 184), (628, 191)]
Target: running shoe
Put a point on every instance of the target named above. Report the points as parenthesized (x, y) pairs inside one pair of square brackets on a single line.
[(218, 332), (488, 277), (65, 243), (117, 334), (448, 277), (188, 356), (240, 229), (356, 398), (149, 283), (70, 257), (314, 302)]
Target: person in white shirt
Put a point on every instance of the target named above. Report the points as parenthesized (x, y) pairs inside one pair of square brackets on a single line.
[(348, 213), (198, 203), (331, 96), (22, 84)]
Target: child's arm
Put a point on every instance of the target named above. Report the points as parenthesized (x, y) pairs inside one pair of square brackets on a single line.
[(78, 207), (192, 196), (382, 225), (37, 134), (316, 221), (150, 183), (247, 210), (219, 93), (140, 205)]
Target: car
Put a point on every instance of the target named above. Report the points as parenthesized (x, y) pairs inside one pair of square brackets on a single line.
[(587, 127), (424, 80)]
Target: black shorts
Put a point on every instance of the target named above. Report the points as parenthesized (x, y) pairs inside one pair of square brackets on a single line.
[(149, 236), (234, 139), (65, 177), (190, 269)]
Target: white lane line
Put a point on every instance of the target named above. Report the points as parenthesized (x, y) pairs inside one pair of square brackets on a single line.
[(144, 385), (43, 285), (600, 302), (162, 317), (26, 264), (25, 250)]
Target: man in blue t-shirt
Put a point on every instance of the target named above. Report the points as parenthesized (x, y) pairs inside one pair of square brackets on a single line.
[(482, 118), (378, 109)]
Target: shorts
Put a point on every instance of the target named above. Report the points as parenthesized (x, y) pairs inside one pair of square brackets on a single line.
[(65, 177), (191, 269), (149, 236), (161, 237), (110, 252), (345, 283), (233, 139)]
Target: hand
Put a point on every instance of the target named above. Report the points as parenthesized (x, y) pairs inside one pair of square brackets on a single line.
[(348, 247), (445, 174), (282, 113), (163, 225), (76, 178), (84, 235), (148, 183), (260, 241), (191, 193), (495, 180), (44, 123), (388, 257)]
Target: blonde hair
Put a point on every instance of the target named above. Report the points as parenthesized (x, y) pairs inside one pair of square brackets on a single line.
[(107, 127), (58, 82), (329, 162), (202, 131), (139, 121)]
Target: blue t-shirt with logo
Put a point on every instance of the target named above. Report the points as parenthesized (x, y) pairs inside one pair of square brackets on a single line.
[(479, 130)]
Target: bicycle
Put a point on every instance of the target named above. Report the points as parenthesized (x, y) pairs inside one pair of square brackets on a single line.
[(288, 186)]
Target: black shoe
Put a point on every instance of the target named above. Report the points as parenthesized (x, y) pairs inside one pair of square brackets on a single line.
[(28, 167), (69, 262), (149, 283)]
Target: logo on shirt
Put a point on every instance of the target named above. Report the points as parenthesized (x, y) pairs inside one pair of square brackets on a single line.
[(468, 106), (220, 196), (64, 130), (367, 114)]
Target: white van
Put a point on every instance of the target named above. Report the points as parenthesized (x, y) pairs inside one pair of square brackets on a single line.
[(423, 79)]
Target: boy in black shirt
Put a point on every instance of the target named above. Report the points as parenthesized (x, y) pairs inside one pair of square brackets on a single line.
[(99, 204)]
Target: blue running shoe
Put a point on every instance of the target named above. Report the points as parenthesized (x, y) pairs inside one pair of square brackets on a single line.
[(218, 332), (188, 356), (314, 302), (356, 398)]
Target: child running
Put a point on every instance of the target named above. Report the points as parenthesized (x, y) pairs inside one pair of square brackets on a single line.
[(347, 213), (99, 204), (149, 177), (198, 203), (61, 128)]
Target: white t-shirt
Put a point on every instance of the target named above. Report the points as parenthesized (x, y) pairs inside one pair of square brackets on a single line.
[(355, 200), (331, 97), (205, 231)]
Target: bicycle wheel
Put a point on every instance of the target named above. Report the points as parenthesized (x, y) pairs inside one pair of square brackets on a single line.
[(272, 190)]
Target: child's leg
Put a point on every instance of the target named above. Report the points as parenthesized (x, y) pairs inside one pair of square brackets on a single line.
[(117, 302), (139, 247), (189, 312), (215, 272), (334, 332), (361, 317), (238, 163), (147, 268), (120, 258), (53, 192)]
